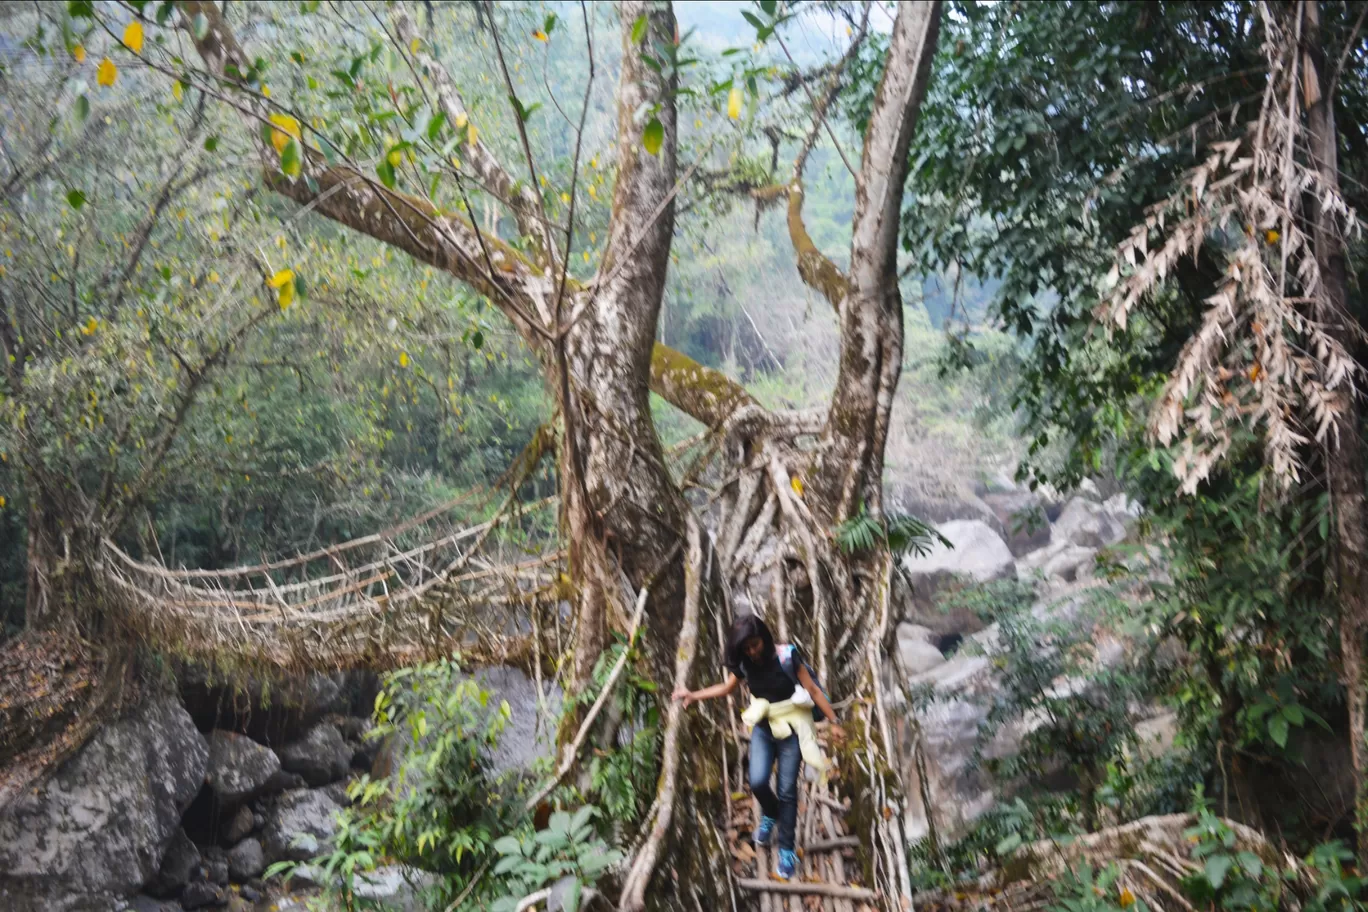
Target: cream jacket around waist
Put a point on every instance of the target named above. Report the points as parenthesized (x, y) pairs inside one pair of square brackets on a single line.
[(788, 717)]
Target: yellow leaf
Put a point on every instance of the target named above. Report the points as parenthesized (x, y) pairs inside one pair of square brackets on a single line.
[(413, 46), (734, 103), (288, 127), (462, 120), (540, 35), (403, 359), (107, 73), (176, 91), (213, 277), (91, 325), (1126, 899), (797, 484), (593, 194), (395, 158), (133, 36), (565, 198), (472, 136), (79, 53), (281, 278), (1271, 236), (287, 295), (2, 502), (266, 91)]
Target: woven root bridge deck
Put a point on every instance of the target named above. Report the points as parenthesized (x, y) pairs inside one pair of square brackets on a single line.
[(828, 874)]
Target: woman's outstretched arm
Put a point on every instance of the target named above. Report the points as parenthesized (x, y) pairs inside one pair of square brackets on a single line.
[(804, 678), (708, 693)]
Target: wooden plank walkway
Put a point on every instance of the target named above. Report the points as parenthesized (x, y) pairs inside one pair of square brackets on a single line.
[(828, 874)]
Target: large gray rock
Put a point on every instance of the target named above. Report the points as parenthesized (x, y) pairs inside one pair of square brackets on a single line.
[(202, 893), (239, 768), (393, 887), (321, 756), (246, 860), (299, 826), (1024, 520), (1061, 561), (979, 554), (101, 824), (271, 710), (524, 741), (1088, 523), (916, 651), (238, 826), (180, 865)]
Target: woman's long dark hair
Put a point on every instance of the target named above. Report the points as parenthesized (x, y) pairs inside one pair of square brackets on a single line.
[(745, 627)]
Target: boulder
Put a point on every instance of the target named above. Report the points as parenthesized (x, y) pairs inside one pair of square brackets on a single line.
[(201, 893), (151, 904), (216, 865), (1024, 519), (1062, 561), (180, 865), (299, 825), (271, 710), (102, 822), (523, 741), (337, 792), (239, 768), (283, 781), (246, 860), (238, 826), (979, 554), (1088, 523), (393, 887), (321, 756), (916, 650)]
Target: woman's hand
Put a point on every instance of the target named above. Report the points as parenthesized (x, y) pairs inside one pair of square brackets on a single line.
[(835, 733), (685, 695)]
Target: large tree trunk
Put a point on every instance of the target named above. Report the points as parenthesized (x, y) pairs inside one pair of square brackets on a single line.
[(626, 518), (63, 594), (1344, 462)]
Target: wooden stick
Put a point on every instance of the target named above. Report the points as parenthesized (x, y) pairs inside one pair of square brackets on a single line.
[(832, 845), (833, 804), (839, 891)]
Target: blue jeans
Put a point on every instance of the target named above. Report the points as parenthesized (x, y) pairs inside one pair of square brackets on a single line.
[(764, 750)]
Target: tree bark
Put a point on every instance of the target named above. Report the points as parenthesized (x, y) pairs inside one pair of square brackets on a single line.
[(850, 468), (1344, 461)]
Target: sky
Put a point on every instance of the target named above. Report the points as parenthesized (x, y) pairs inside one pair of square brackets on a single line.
[(816, 36)]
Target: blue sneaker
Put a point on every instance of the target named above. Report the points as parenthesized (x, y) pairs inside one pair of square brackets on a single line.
[(764, 833), (787, 868)]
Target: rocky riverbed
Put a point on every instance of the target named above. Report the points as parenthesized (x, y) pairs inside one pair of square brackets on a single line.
[(185, 802)]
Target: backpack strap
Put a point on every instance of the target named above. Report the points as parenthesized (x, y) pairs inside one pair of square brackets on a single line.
[(785, 653), (787, 661)]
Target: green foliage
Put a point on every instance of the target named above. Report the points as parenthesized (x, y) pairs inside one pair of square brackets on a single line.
[(1048, 672), (443, 808), (991, 600), (568, 849), (899, 533), (1081, 889), (622, 780)]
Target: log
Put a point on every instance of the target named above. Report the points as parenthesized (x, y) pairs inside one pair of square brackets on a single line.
[(833, 804), (830, 845), (839, 891)]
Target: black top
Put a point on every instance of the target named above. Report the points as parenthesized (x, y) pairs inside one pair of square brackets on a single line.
[(768, 680)]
